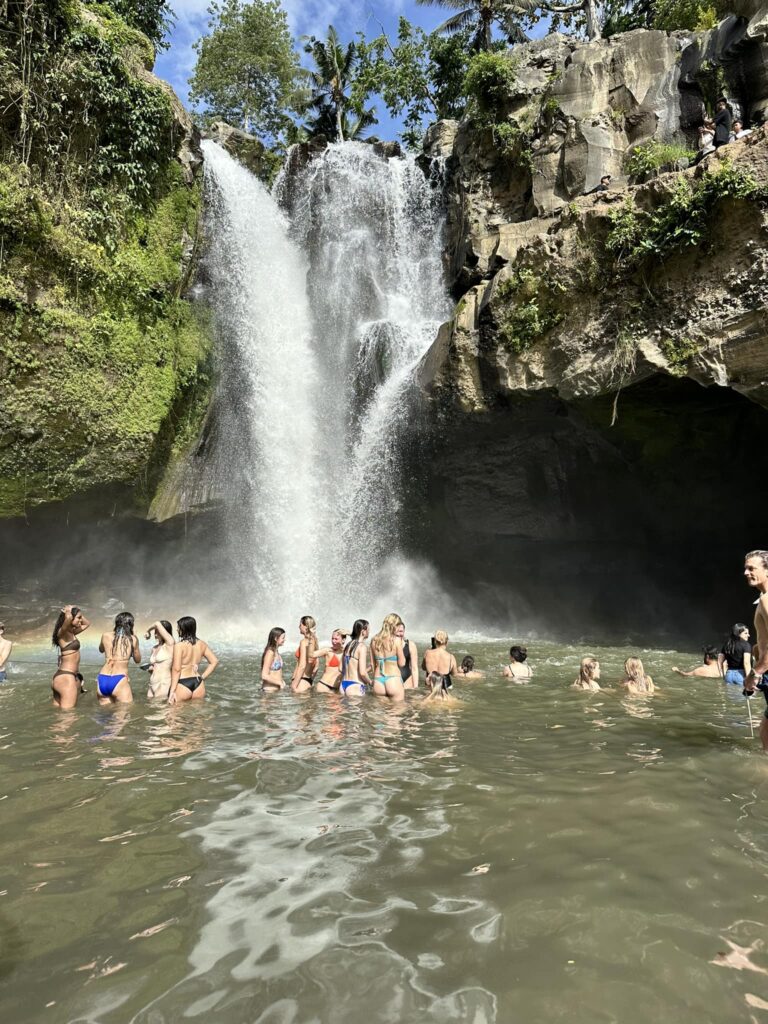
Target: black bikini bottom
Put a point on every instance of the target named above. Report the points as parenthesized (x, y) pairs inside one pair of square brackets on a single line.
[(191, 683)]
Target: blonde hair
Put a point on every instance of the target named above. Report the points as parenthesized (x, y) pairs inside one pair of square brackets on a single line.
[(384, 641), (309, 622), (587, 670), (441, 637), (635, 673)]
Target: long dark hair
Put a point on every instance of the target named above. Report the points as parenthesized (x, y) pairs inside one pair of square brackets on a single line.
[(187, 627), (167, 627), (124, 622), (274, 633), (60, 622), (354, 639), (729, 647), (518, 653)]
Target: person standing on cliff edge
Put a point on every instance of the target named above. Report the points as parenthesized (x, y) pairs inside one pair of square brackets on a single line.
[(756, 575), (722, 123)]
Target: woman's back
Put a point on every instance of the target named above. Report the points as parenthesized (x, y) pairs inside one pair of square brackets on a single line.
[(439, 659), (118, 649)]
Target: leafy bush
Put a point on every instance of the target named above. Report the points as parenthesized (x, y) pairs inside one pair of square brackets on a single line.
[(693, 15), (489, 81), (524, 310), (678, 352), (683, 220), (643, 160)]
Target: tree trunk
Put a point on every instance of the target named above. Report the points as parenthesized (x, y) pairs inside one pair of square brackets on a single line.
[(592, 20), (339, 124)]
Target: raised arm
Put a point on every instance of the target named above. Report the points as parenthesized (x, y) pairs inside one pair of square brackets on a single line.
[(163, 633)]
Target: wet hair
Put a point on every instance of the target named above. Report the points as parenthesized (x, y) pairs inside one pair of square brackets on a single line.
[(587, 669), (762, 555), (710, 652), (440, 638), (311, 625), (635, 673), (437, 679), (357, 631), (166, 626), (518, 653), (60, 622), (274, 633), (187, 627), (384, 641), (123, 632), (467, 663), (729, 647)]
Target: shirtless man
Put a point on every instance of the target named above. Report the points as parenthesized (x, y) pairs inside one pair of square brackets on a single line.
[(709, 670), (5, 651), (756, 575)]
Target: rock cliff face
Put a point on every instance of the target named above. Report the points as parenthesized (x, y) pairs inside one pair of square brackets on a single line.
[(606, 367)]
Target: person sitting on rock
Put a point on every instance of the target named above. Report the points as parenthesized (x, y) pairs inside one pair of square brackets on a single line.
[(739, 131), (722, 123), (605, 184)]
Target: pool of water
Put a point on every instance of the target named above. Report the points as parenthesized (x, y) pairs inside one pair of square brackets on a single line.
[(528, 854)]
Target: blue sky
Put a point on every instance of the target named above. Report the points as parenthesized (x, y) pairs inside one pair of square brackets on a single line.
[(306, 17)]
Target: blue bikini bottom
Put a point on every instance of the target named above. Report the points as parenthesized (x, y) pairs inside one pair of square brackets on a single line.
[(106, 684)]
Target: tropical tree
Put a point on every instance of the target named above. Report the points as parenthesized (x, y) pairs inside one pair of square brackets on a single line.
[(247, 68), (479, 17), (339, 113)]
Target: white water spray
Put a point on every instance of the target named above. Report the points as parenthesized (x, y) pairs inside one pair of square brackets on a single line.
[(324, 423)]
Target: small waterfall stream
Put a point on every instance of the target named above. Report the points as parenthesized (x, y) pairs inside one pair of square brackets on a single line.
[(321, 319)]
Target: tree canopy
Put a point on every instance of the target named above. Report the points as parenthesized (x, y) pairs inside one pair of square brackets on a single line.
[(247, 68)]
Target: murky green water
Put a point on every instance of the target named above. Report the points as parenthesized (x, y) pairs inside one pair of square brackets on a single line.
[(533, 854)]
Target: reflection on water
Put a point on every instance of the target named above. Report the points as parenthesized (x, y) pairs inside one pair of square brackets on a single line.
[(530, 853)]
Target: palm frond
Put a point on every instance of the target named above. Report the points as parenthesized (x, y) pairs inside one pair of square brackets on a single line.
[(457, 22), (442, 3)]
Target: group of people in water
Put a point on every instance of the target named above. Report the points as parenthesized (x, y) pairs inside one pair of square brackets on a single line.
[(355, 663)]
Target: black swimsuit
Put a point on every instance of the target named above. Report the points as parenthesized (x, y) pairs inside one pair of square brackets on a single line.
[(191, 683), (405, 671)]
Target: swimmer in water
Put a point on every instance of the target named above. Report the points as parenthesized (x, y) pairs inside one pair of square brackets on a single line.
[(756, 575), (439, 687), (118, 647), (517, 670), (306, 663), (589, 673), (67, 683), (331, 677), (160, 659), (409, 673), (467, 669), (187, 682), (388, 657), (355, 676), (272, 662), (438, 661), (6, 646), (709, 670), (635, 681)]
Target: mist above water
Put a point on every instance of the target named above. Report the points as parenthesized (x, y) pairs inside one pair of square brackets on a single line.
[(321, 320)]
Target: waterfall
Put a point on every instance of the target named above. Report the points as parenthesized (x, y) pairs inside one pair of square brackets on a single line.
[(322, 318)]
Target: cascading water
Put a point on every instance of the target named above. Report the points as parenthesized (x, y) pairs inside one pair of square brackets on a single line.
[(321, 325), (266, 434)]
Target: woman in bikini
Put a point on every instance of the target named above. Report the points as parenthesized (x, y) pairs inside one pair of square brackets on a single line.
[(272, 663), (635, 681), (118, 647), (439, 664), (160, 659), (67, 683), (517, 670), (331, 677), (306, 662), (388, 658), (187, 682), (355, 678), (589, 673), (409, 673)]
